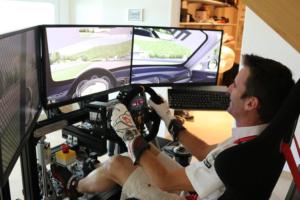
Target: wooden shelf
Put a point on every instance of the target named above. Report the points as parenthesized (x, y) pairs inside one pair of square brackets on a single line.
[(204, 24), (234, 13), (211, 2)]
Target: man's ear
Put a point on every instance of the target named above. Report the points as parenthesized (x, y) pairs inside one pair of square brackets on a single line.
[(252, 103)]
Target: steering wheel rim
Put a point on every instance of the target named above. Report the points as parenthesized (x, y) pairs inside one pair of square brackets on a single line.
[(150, 119), (90, 77)]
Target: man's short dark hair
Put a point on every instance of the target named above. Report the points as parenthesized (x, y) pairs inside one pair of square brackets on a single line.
[(269, 81)]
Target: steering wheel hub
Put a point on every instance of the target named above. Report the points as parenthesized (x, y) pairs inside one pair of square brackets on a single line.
[(146, 119)]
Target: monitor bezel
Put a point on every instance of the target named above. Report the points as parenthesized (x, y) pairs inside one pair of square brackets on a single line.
[(46, 65), (27, 134), (182, 84)]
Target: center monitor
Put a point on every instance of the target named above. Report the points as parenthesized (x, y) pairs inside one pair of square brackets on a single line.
[(175, 56), (81, 61)]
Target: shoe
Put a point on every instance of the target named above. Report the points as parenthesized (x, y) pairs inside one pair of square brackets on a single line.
[(187, 116), (184, 114), (68, 181)]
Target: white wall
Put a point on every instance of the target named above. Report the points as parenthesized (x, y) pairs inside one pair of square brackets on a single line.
[(63, 11), (261, 39), (15, 15), (156, 12)]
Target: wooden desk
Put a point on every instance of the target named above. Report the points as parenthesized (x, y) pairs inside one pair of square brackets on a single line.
[(211, 126)]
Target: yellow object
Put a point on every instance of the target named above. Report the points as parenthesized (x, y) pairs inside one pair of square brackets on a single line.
[(65, 158), (227, 59)]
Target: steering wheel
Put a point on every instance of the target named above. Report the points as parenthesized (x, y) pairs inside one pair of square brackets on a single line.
[(91, 81), (146, 119)]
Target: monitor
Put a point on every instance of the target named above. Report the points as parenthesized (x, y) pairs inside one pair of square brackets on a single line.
[(19, 94), (84, 61), (175, 56)]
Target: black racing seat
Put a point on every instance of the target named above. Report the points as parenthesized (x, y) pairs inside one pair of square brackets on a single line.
[(252, 169)]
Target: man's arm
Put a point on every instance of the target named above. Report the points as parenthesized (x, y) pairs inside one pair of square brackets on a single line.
[(195, 145)]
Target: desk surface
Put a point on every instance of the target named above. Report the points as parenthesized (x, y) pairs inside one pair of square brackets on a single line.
[(211, 126)]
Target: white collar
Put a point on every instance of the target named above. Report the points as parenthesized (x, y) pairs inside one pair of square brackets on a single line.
[(241, 132)]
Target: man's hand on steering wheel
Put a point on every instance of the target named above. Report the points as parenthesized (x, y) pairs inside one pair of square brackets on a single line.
[(172, 123), (124, 126), (163, 110)]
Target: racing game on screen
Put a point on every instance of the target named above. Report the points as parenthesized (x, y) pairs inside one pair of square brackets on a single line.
[(86, 60), (168, 56)]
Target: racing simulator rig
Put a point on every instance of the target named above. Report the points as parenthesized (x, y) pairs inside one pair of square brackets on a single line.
[(51, 66)]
